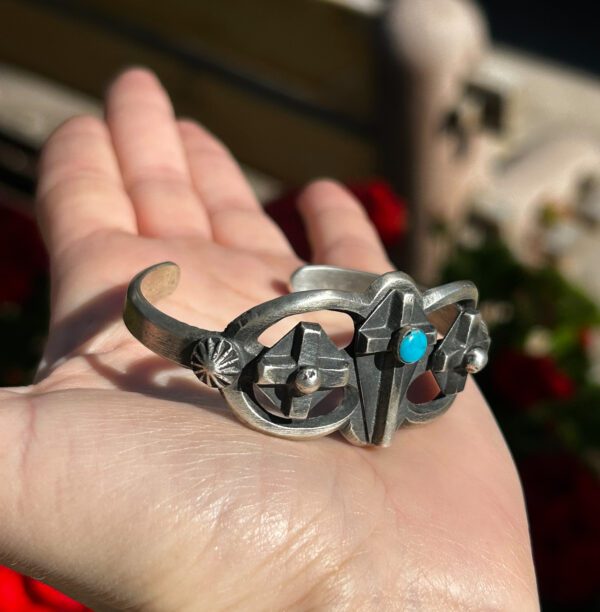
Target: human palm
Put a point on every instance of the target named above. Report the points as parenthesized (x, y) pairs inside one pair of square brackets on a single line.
[(131, 486)]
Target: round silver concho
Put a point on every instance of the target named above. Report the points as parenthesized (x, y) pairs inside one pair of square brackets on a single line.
[(215, 361)]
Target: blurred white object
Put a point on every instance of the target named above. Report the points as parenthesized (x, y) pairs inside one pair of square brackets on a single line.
[(549, 173), (538, 342), (31, 106), (437, 129)]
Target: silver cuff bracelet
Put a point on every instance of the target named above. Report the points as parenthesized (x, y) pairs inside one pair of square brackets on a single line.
[(304, 386)]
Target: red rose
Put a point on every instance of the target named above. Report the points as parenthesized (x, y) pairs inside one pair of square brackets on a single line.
[(51, 598), (387, 211), (525, 380), (21, 594), (22, 256), (563, 501)]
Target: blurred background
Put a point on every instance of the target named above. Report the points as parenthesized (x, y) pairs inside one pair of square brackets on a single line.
[(470, 132)]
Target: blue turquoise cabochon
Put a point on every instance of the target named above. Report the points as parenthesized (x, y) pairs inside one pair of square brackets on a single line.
[(413, 346)]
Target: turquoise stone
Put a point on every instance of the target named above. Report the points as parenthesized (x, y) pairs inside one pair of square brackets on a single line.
[(413, 346)]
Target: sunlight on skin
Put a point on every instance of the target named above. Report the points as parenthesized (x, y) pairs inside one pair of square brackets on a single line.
[(130, 486)]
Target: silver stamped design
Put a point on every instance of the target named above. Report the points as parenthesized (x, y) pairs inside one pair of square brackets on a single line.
[(215, 361)]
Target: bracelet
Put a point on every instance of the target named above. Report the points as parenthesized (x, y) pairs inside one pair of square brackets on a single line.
[(304, 386)]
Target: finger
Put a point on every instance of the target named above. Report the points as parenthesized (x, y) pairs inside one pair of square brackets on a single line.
[(339, 230), (151, 157), (80, 191), (236, 217)]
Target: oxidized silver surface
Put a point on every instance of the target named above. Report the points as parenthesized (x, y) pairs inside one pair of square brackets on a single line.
[(304, 386), (215, 361)]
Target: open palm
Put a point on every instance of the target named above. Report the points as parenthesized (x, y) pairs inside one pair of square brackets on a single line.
[(129, 485)]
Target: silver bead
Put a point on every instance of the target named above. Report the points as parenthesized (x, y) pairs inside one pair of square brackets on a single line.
[(475, 360), (307, 380)]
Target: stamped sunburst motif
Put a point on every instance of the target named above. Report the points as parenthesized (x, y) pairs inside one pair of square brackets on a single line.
[(215, 362)]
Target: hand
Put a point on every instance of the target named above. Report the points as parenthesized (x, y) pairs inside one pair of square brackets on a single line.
[(128, 485)]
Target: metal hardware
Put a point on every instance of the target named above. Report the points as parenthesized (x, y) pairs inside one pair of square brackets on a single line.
[(400, 334)]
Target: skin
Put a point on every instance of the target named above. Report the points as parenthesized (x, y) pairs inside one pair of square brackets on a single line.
[(127, 484)]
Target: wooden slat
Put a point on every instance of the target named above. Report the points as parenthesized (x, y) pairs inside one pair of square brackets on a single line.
[(323, 50), (269, 136)]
